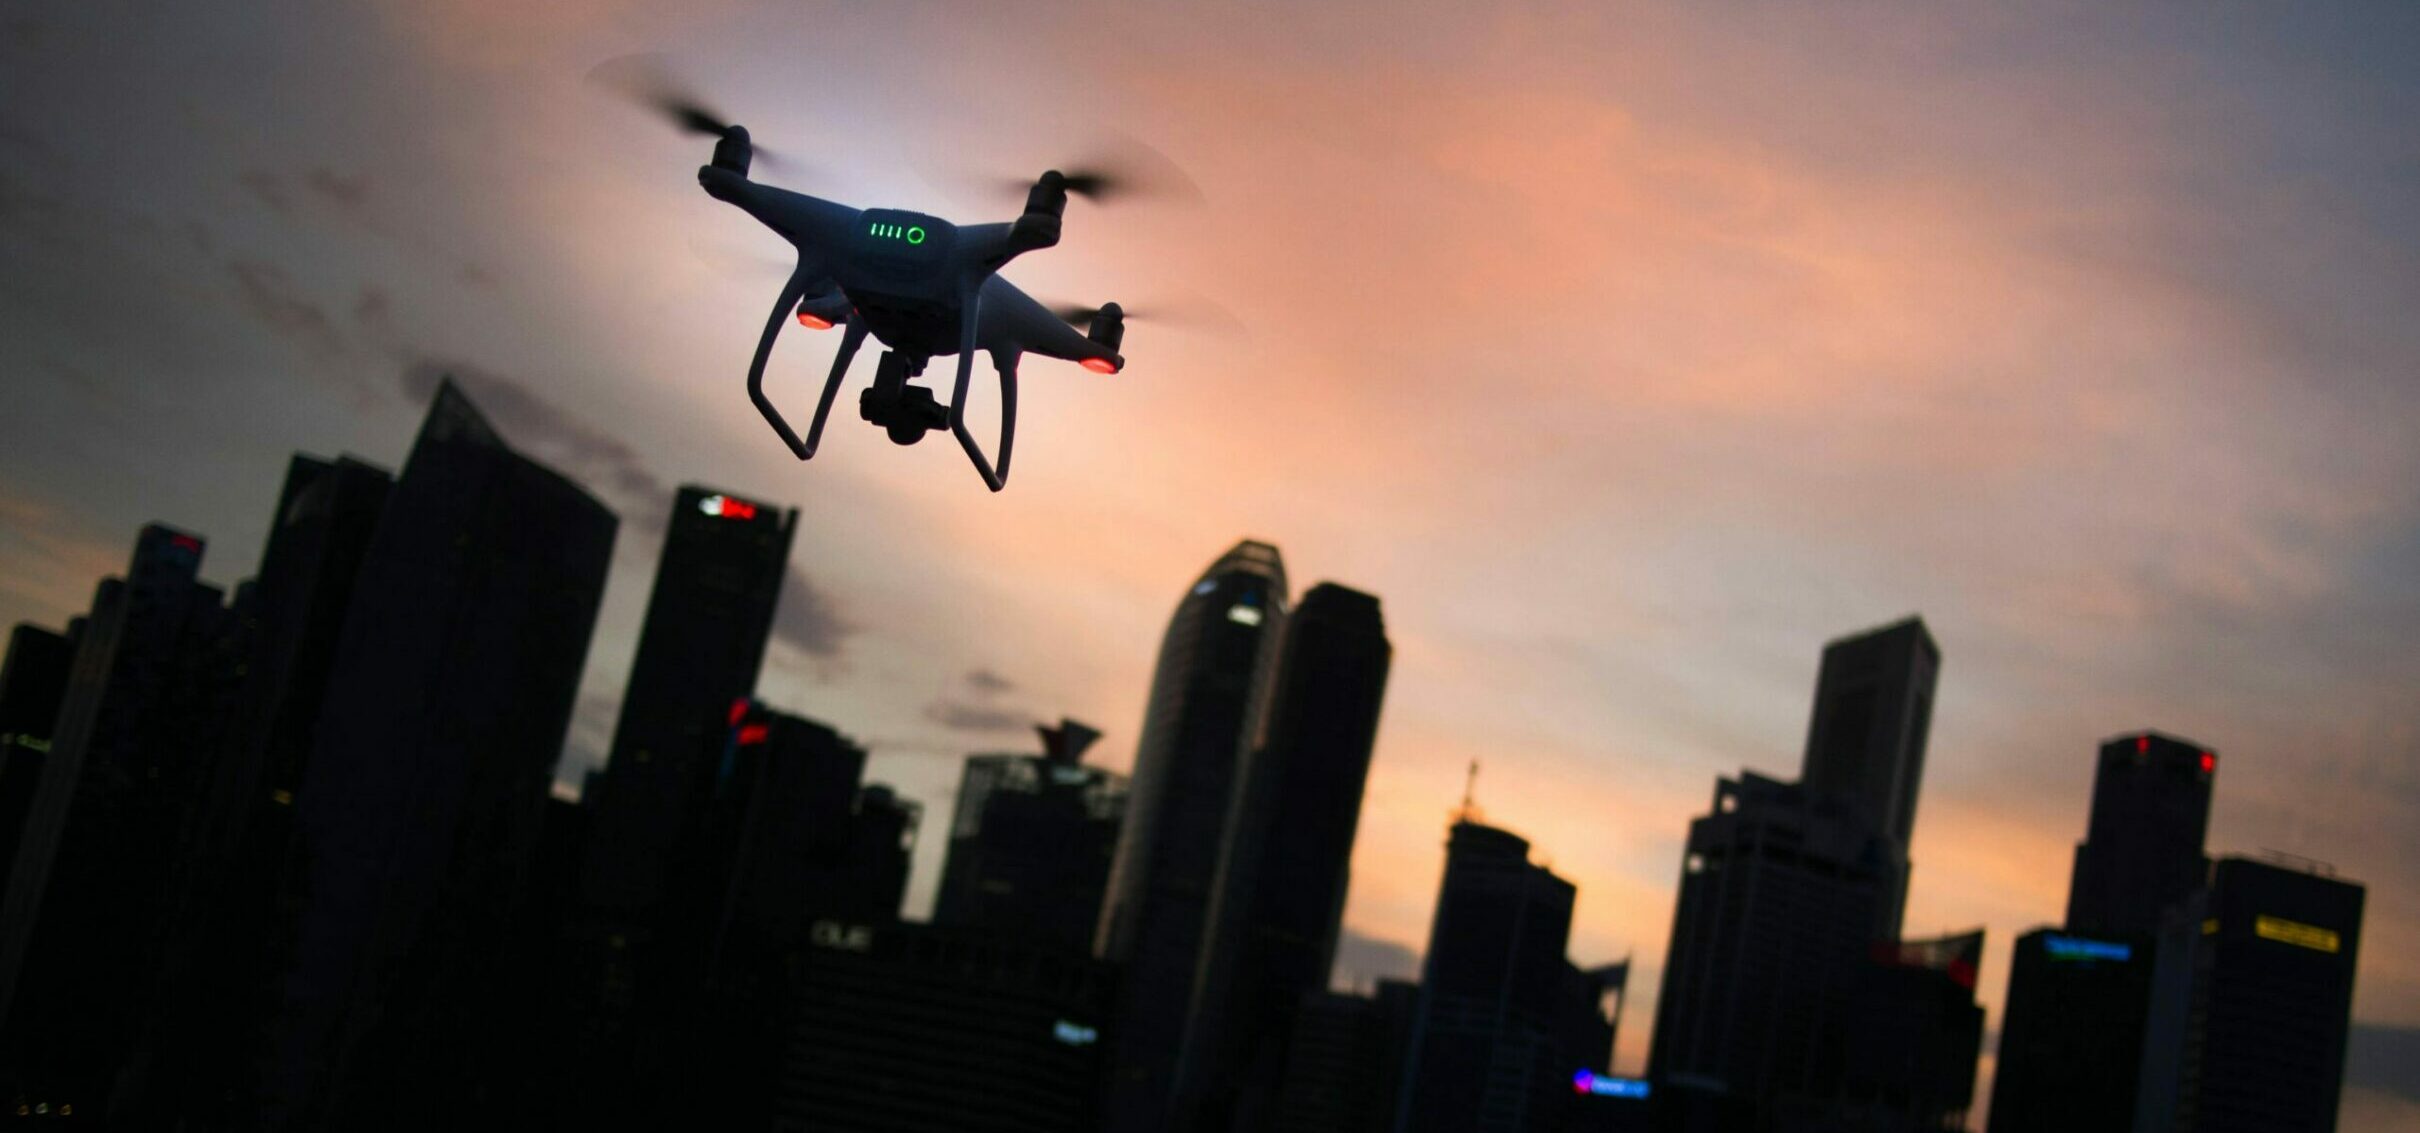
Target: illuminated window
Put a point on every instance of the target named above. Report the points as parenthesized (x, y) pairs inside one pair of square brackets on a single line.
[(2296, 933), (1606, 1085), (1075, 1034), (1244, 615), (1204, 586), (2078, 948)]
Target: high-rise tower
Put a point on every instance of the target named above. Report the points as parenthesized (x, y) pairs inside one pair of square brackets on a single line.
[(1279, 898), (2143, 850), (708, 619), (1487, 1052), (2251, 1002), (448, 696), (1865, 740), (1030, 846), (1206, 695)]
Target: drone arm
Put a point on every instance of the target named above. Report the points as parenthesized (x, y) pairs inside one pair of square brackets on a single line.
[(1007, 365), (790, 294), (802, 220)]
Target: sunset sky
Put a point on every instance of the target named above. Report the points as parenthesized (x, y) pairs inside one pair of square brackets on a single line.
[(1627, 352)]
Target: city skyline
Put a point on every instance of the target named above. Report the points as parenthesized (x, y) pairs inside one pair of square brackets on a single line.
[(2241, 582)]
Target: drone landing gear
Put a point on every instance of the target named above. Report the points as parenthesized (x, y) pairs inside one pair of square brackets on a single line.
[(906, 411)]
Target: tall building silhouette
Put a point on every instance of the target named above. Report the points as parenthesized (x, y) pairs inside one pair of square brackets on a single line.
[(2072, 1041), (2252, 1000), (2143, 850), (33, 681), (448, 698), (241, 887), (1344, 1061), (708, 618), (89, 896), (1490, 1039), (1278, 899), (1031, 843), (1866, 736), (2071, 1034), (1206, 695), (1779, 894)]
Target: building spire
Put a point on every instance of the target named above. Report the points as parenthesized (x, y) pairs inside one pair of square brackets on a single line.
[(1470, 790)]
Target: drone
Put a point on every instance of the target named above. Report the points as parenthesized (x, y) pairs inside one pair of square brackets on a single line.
[(920, 285)]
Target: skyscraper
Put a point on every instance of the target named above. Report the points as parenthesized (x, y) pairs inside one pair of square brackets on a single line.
[(240, 886), (33, 680), (1344, 1062), (1278, 900), (1779, 893), (2072, 1042), (1030, 846), (2143, 850), (133, 743), (708, 619), (1866, 737), (1487, 1048), (449, 694), (2252, 999), (2071, 1035), (1206, 695)]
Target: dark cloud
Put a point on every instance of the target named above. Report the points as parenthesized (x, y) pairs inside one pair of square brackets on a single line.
[(968, 716), (373, 308), (808, 620), (2384, 1058), (989, 683), (270, 295), (348, 193), (979, 707), (1363, 960), (267, 188), (533, 424)]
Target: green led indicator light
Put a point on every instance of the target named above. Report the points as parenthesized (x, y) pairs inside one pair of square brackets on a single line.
[(913, 234)]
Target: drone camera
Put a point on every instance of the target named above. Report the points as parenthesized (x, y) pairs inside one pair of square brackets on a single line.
[(906, 412)]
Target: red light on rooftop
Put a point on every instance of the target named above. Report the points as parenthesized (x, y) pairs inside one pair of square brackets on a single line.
[(1100, 365), (813, 321), (2209, 763), (753, 734), (739, 710), (2142, 745), (185, 543)]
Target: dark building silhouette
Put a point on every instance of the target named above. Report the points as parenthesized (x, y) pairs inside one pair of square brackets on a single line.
[(88, 900), (1344, 1061), (1778, 900), (238, 898), (1866, 737), (2143, 850), (882, 846), (449, 693), (33, 681), (2071, 1035), (1911, 1053), (1206, 696), (907, 1028), (1277, 903), (2251, 1000), (1488, 1049), (1030, 846), (2072, 1044), (708, 618)]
